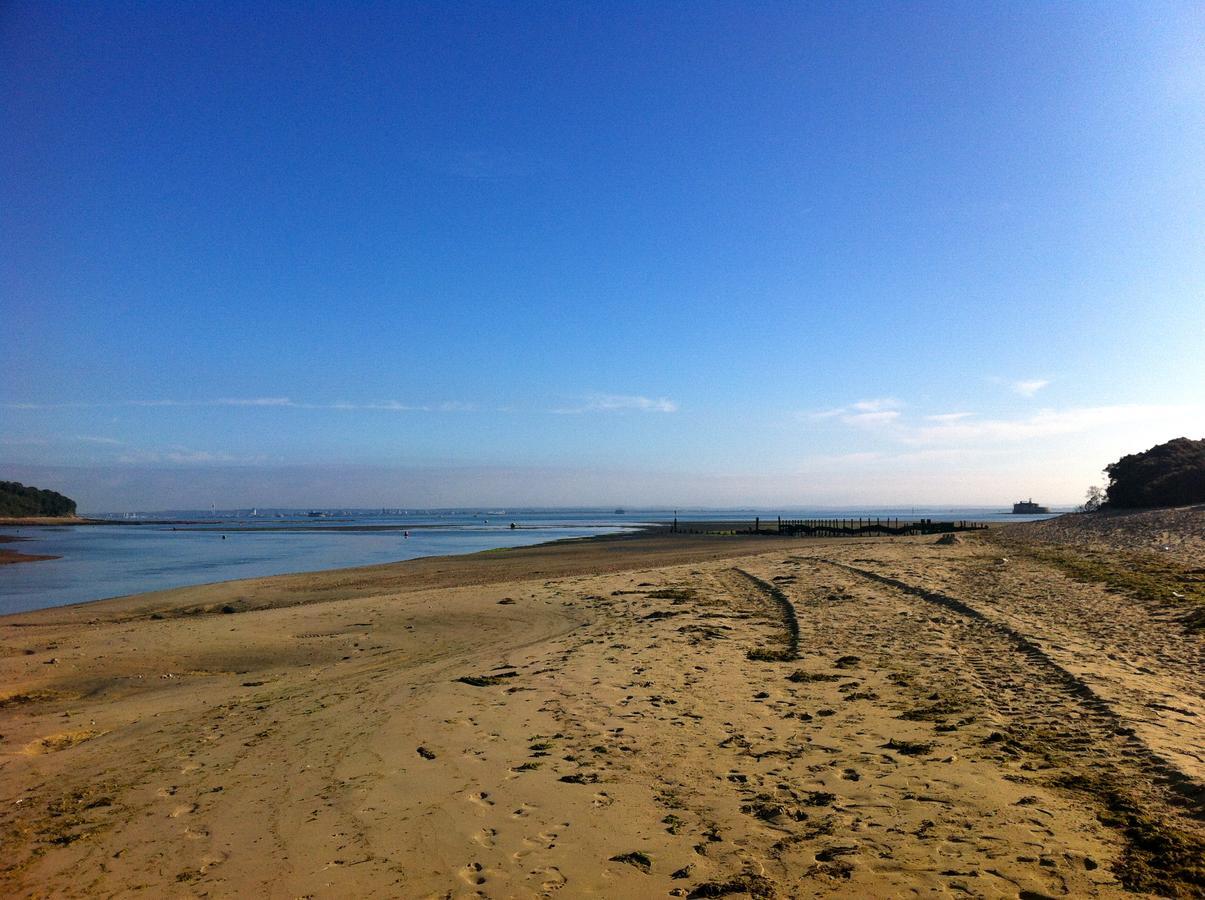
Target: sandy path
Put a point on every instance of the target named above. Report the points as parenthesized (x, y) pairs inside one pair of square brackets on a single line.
[(615, 739)]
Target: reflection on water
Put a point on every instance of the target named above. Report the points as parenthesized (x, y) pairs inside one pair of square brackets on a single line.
[(114, 560)]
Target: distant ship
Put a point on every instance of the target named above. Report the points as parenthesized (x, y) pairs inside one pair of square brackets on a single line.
[(620, 512), (1028, 506)]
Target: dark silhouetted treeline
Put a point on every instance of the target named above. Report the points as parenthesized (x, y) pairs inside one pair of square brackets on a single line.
[(1171, 474), (18, 500)]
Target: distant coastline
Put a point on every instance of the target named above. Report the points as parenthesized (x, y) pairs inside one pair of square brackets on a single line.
[(28, 521)]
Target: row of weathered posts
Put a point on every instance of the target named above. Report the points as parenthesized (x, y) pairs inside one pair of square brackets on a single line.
[(862, 527)]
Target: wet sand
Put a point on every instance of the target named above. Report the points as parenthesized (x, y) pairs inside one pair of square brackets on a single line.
[(635, 717), (7, 556)]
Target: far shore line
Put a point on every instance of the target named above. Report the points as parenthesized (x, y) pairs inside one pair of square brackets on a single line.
[(711, 530)]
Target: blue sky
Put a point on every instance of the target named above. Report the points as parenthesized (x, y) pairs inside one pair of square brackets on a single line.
[(640, 253)]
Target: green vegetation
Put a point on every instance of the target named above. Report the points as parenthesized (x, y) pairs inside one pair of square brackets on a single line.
[(1094, 499), (1170, 474), (1145, 576), (678, 595), (799, 676), (1158, 857), (934, 712), (18, 500), (766, 654), (755, 886)]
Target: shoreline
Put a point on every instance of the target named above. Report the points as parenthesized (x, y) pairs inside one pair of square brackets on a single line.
[(12, 557), (41, 521), (187, 600), (9, 557), (633, 715), (711, 529)]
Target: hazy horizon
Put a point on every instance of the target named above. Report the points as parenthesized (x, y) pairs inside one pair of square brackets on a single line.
[(127, 489), (752, 255)]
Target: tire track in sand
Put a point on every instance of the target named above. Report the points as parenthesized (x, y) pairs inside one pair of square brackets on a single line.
[(1098, 710)]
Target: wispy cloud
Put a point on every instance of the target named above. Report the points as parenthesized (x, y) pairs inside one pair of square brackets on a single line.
[(1046, 423), (1025, 387), (859, 459), (255, 402), (877, 411), (94, 439), (621, 403), (964, 428), (177, 455), (23, 442), (1029, 388)]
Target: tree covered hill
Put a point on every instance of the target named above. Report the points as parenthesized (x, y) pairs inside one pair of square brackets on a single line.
[(1170, 474), (18, 500)]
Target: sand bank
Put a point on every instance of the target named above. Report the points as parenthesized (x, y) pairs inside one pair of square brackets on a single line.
[(8, 556), (635, 717)]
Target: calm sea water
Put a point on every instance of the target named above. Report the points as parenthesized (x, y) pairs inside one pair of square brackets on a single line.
[(115, 560)]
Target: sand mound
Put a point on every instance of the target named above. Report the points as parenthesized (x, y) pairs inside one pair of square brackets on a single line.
[(1178, 532)]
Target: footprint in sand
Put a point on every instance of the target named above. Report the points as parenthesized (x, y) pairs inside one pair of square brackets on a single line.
[(473, 874), (602, 800), (182, 810), (523, 809), (545, 840), (485, 837), (483, 799), (553, 880)]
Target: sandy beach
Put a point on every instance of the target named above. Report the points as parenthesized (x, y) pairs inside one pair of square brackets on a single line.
[(630, 717)]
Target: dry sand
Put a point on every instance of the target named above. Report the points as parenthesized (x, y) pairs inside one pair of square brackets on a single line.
[(615, 718)]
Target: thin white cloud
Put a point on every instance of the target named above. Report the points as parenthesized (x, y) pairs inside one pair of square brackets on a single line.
[(256, 402), (383, 406), (878, 404), (881, 417), (1045, 423), (94, 439), (621, 403), (876, 458), (876, 411), (23, 442), (1029, 388), (962, 429), (197, 456), (1025, 387), (184, 456)]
